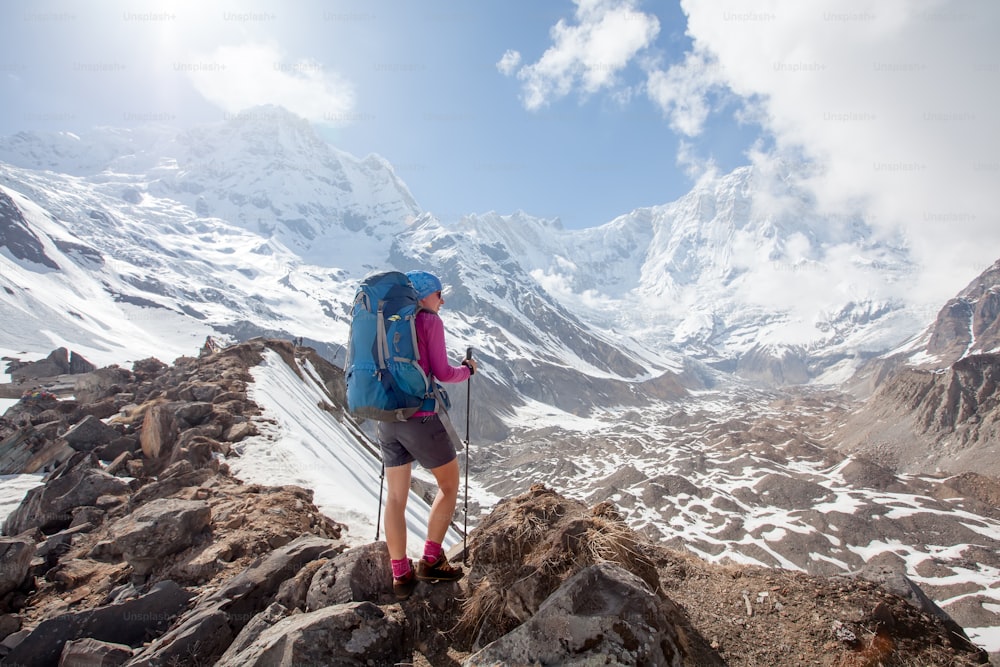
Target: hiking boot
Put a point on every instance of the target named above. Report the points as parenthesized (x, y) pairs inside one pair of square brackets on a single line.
[(441, 570), (403, 586)]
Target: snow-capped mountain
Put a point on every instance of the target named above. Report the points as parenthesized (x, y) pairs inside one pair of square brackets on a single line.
[(719, 276), (777, 294), (266, 171), (615, 359)]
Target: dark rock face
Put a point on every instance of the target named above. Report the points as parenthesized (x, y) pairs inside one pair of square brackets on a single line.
[(17, 237), (969, 323), (936, 408), (945, 420)]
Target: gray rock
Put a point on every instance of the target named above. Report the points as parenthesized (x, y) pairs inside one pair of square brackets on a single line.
[(49, 551), (251, 590), (193, 413), (15, 562), (359, 574), (116, 447), (347, 634), (238, 431), (272, 615), (96, 385), (293, 592), (199, 391), (49, 507), (160, 528), (601, 615), (209, 628), (180, 475), (201, 633), (94, 653), (127, 623), (9, 624), (88, 433)]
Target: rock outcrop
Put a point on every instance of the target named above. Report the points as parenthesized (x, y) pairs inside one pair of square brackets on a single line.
[(59, 362), (161, 557), (934, 421)]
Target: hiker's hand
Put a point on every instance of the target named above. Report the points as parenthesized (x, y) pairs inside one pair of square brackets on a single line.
[(471, 363)]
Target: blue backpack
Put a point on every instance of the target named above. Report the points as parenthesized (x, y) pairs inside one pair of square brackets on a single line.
[(384, 380)]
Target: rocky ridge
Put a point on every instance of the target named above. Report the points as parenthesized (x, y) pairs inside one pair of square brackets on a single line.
[(156, 555), (934, 403)]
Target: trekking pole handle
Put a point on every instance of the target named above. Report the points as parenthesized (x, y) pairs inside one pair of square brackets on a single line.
[(468, 353)]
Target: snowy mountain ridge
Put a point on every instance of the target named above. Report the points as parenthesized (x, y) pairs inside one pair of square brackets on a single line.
[(623, 362), (256, 225)]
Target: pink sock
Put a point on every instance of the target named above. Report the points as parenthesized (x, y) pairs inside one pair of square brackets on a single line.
[(432, 551), (400, 567)]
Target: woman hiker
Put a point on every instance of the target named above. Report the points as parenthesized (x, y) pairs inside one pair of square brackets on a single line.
[(423, 438)]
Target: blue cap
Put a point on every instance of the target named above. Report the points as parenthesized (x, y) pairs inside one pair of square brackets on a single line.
[(425, 283)]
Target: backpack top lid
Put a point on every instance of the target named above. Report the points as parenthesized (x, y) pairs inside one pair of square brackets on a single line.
[(425, 283)]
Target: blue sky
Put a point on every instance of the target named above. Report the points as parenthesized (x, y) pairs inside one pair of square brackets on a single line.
[(417, 83), (582, 109)]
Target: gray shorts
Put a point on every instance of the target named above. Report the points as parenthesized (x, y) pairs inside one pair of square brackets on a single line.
[(424, 440)]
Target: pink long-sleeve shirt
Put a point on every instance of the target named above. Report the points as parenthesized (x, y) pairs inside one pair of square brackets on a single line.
[(434, 354)]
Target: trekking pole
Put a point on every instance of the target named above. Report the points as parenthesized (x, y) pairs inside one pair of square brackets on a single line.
[(381, 483), (468, 403)]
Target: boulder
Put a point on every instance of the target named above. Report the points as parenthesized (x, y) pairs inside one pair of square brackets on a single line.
[(602, 615), (48, 552), (200, 391), (357, 633), (273, 614), (57, 363), (238, 431), (78, 364), (251, 590), (203, 631), (49, 507), (88, 433), (180, 475), (293, 592), (210, 627), (120, 445), (158, 529), (94, 653), (194, 413), (15, 562), (129, 623), (9, 624), (359, 574), (159, 431)]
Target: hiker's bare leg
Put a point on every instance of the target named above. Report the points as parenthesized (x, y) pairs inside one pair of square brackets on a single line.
[(443, 508), (397, 480)]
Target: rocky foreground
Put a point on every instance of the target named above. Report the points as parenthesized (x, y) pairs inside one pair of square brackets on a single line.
[(142, 549)]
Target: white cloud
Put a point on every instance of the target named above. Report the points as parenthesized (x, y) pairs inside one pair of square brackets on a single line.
[(892, 105), (589, 54), (698, 168), (509, 62), (683, 91), (235, 78)]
